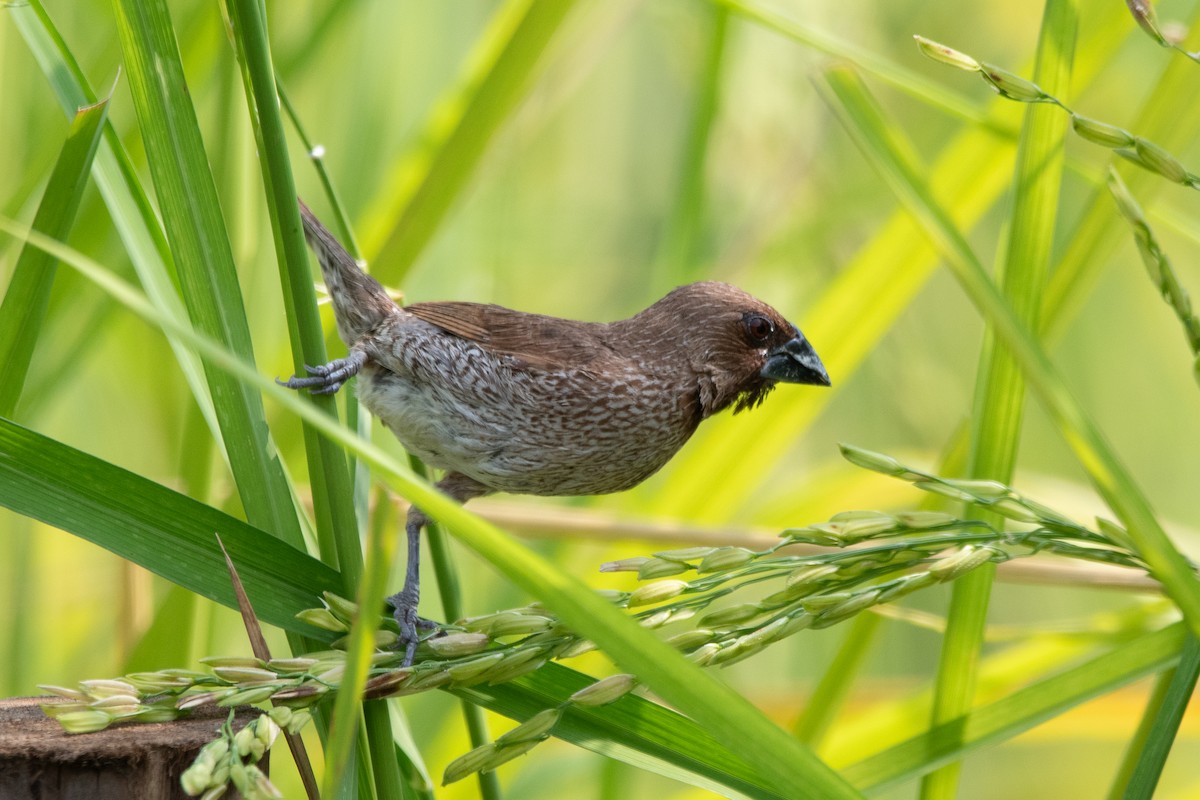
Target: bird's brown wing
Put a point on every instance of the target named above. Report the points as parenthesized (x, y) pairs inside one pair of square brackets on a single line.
[(537, 341)]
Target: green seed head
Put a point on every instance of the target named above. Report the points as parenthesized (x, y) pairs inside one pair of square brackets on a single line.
[(458, 644), (624, 564), (923, 519), (724, 558), (945, 55), (661, 568), (605, 691), (195, 779), (732, 615), (99, 689), (690, 640), (244, 674), (1013, 86), (867, 459), (966, 559), (535, 728), (1101, 133), (322, 618), (84, 721), (657, 592), (686, 553), (466, 671), (1159, 160), (468, 763)]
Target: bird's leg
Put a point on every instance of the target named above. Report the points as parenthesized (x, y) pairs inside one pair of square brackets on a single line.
[(405, 602), (328, 378)]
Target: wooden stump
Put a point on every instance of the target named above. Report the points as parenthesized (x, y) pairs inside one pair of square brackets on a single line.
[(39, 761)]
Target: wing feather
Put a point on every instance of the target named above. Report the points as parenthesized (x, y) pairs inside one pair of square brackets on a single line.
[(535, 340)]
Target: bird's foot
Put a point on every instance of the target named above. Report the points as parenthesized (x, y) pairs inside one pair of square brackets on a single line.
[(328, 378), (405, 613)]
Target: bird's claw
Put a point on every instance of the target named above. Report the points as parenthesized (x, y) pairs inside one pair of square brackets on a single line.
[(327, 378), (405, 614)]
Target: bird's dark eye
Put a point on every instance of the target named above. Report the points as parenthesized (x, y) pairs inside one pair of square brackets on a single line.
[(759, 328)]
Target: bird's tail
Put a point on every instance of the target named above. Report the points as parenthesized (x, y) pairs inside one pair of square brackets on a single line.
[(359, 302)]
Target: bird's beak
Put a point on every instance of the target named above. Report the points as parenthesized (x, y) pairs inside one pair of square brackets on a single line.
[(795, 362)]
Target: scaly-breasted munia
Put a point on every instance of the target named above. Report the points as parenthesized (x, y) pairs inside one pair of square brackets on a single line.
[(507, 401)]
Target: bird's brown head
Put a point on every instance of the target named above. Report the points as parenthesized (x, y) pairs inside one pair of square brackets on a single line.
[(736, 346)]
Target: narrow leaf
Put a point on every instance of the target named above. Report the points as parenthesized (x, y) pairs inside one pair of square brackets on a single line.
[(1000, 385), (632, 730), (1165, 720), (198, 239), (28, 295), (1020, 711), (151, 525), (426, 185), (134, 217)]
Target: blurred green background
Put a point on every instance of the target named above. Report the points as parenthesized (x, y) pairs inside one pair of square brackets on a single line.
[(602, 187)]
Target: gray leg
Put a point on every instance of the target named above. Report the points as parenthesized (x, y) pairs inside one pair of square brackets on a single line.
[(405, 602), (462, 489), (328, 378)]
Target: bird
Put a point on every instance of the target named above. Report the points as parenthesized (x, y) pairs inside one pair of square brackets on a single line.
[(524, 403)]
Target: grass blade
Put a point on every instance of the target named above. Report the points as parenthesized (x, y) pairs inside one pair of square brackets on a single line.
[(134, 217), (24, 306), (631, 730), (198, 239), (1165, 718), (679, 244), (1020, 711), (1000, 388), (425, 186), (162, 530)]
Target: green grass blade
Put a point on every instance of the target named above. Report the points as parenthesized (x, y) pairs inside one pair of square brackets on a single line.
[(631, 730), (831, 691), (424, 187), (679, 245), (329, 473), (162, 530), (1152, 755), (23, 309), (132, 214), (200, 244), (1000, 388), (348, 711), (333, 496), (1095, 455), (1020, 711)]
